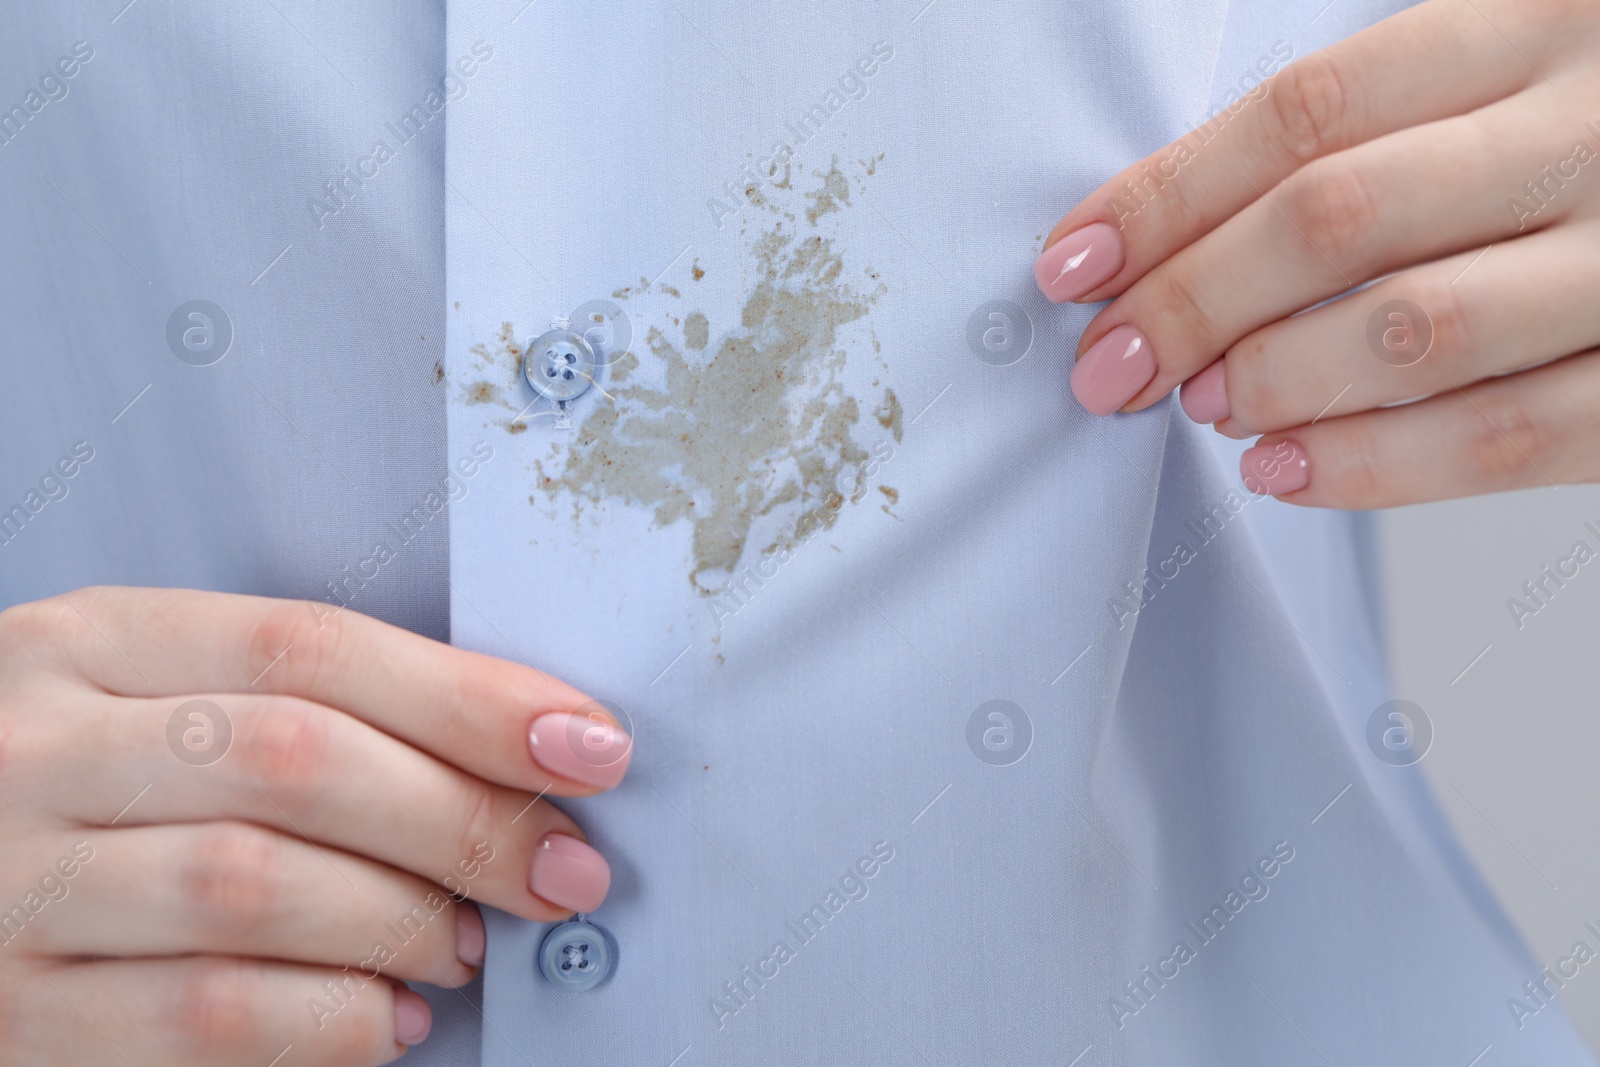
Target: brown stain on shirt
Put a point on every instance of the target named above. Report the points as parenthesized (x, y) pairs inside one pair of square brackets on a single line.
[(891, 416), (832, 195), (696, 331), (764, 426)]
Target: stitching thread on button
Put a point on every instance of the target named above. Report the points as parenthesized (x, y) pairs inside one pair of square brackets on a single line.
[(576, 955)]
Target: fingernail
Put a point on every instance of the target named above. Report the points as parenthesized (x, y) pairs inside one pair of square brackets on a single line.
[(1113, 371), (1205, 396), (1273, 470), (469, 935), (586, 749), (569, 873), (412, 1017), (1079, 261)]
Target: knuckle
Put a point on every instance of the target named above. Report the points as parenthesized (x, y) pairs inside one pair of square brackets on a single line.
[(213, 1007), (288, 748), (1252, 399), (1308, 109), (1449, 319), (51, 622), (292, 645), (1154, 199), (228, 879), (1509, 440), (1332, 205), (1365, 471), (1177, 297)]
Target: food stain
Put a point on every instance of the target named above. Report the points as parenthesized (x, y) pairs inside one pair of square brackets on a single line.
[(697, 331), (764, 431), (500, 371), (891, 416), (834, 195)]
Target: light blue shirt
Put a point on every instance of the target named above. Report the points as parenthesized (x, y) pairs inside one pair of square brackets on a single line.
[(1171, 842)]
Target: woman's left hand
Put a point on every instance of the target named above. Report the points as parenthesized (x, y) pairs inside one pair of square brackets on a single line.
[(1452, 151)]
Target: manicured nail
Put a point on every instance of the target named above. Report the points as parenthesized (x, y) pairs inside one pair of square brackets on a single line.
[(1205, 396), (469, 935), (412, 1017), (1079, 262), (1113, 371), (1273, 470), (569, 873), (584, 748)]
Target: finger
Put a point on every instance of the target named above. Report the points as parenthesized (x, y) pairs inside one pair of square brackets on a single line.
[(211, 1012), (1429, 62), (1539, 427), (317, 774), (498, 720), (1333, 225), (1426, 331), (227, 888)]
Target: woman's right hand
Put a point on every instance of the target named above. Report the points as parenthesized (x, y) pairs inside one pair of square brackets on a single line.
[(216, 881)]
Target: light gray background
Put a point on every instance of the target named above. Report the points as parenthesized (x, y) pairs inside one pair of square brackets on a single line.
[(1514, 758)]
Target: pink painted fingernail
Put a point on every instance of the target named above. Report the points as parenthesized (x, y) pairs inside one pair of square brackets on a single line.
[(1205, 396), (1273, 470), (469, 935), (1079, 262), (584, 748), (569, 873), (412, 1017), (1113, 371)]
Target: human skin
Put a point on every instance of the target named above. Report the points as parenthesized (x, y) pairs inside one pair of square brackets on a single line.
[(1451, 155), (191, 910)]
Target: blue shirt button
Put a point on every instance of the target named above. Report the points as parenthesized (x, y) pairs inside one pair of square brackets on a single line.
[(576, 956), (560, 364)]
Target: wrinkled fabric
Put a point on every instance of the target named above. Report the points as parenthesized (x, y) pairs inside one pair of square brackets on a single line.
[(1172, 750), (1196, 858)]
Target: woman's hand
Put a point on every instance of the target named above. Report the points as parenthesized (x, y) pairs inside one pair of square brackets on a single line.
[(229, 825), (1453, 151)]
